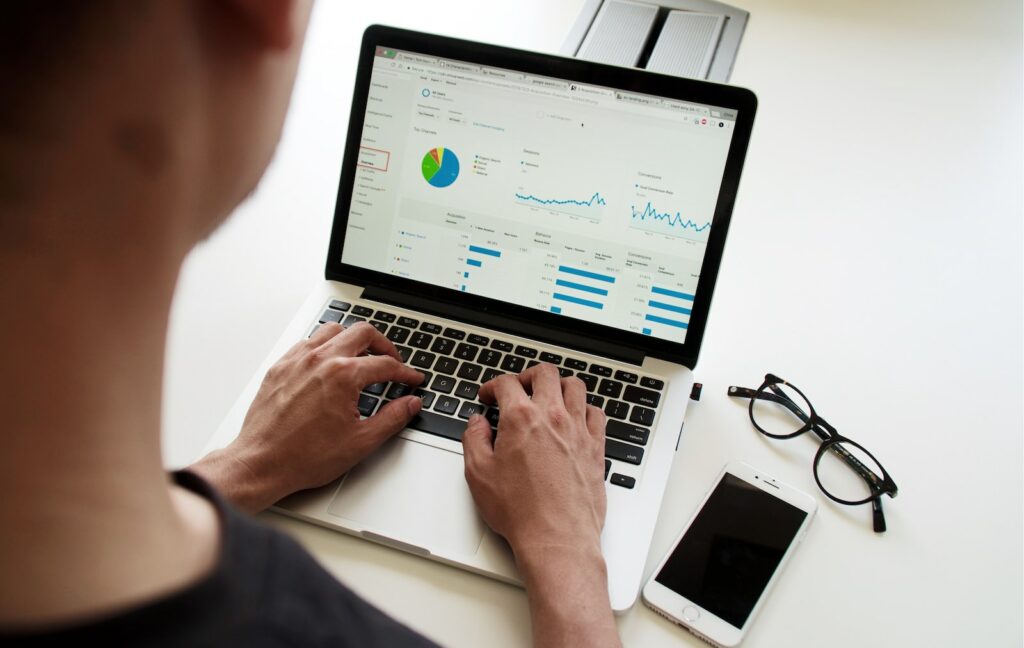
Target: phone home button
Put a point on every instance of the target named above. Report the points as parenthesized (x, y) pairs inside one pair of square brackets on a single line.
[(690, 613)]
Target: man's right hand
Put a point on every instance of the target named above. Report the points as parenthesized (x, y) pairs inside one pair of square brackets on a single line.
[(540, 484)]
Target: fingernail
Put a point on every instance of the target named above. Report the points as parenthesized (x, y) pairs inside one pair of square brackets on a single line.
[(414, 405)]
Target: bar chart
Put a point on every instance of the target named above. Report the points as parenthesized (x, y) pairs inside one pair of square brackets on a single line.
[(580, 287), (476, 257), (667, 307)]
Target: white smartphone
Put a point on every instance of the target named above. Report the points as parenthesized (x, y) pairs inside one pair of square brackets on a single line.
[(721, 567)]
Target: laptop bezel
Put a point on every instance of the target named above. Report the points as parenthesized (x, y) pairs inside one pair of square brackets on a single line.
[(627, 79)]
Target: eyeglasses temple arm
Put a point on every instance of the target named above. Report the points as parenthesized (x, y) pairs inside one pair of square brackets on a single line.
[(877, 515)]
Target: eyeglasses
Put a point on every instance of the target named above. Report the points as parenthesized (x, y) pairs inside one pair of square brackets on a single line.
[(845, 471)]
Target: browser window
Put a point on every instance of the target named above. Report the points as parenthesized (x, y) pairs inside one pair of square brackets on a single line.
[(584, 201)]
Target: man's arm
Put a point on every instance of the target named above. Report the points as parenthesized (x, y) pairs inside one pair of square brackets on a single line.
[(540, 484), (303, 429)]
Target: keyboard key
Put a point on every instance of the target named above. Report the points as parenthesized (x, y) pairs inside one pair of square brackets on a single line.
[(408, 322), (576, 365), (442, 426), (478, 340), (616, 409), (397, 390), (610, 388), (431, 328), (454, 334), (466, 351), (642, 396), (564, 373), (446, 365), (607, 467), (532, 363), (331, 316), (362, 311), (493, 415), (366, 404), (652, 383), (500, 345), (623, 480), (642, 415), (512, 364), (376, 388), (595, 400), (627, 432), (489, 358), (426, 397), (422, 359), (352, 319), (623, 452), (446, 405), (404, 352), (491, 374), (427, 377), (339, 305), (443, 384), (380, 326), (420, 340), (588, 380), (469, 409), (469, 371), (442, 345), (398, 335), (526, 352), (467, 390), (601, 370), (553, 358), (626, 376), (384, 316)]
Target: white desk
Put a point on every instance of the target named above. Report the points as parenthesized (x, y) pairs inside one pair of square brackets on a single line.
[(875, 259)]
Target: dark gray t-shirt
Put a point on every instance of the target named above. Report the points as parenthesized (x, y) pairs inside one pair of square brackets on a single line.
[(266, 590)]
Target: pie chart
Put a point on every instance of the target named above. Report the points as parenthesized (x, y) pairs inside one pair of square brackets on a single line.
[(440, 167)]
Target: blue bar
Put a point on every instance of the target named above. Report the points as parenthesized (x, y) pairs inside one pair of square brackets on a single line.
[(556, 309), (578, 286), (481, 250), (577, 300), (586, 273), (463, 287), (671, 293), (465, 274), (668, 307), (665, 320), (474, 262), (647, 331)]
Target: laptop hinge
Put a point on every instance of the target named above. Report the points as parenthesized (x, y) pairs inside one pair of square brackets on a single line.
[(513, 326)]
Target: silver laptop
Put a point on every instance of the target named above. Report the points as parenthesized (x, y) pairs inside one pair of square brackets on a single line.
[(499, 208)]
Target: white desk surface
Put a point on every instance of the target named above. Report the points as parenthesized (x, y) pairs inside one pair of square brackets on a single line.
[(874, 259)]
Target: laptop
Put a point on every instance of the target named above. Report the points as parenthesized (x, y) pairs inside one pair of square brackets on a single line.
[(499, 208)]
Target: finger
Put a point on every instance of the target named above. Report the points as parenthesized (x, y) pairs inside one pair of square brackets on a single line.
[(368, 370), (392, 418), (542, 380), (477, 446), (362, 337), (596, 421), (574, 392), (323, 333), (504, 390)]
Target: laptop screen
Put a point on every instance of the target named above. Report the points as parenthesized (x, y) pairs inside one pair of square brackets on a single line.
[(585, 201)]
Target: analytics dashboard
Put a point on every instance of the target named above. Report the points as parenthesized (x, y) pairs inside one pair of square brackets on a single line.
[(581, 200)]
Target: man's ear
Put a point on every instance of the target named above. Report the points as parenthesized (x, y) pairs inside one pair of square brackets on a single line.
[(271, 22)]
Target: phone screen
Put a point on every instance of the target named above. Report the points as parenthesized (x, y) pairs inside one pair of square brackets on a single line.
[(728, 555)]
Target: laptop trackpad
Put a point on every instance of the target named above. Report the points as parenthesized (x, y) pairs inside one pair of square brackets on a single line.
[(413, 493)]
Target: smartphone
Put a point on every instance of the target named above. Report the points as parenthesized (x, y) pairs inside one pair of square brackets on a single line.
[(719, 571)]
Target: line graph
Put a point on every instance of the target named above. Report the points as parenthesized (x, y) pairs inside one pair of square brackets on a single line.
[(591, 208), (652, 220)]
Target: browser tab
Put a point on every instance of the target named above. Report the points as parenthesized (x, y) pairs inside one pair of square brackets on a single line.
[(415, 58), (548, 83)]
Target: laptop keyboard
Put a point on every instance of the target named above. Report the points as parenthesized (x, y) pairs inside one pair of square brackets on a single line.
[(455, 363)]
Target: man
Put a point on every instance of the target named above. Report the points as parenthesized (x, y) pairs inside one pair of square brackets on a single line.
[(128, 131)]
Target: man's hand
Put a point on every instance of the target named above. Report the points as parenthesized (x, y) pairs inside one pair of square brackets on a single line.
[(303, 430), (540, 484)]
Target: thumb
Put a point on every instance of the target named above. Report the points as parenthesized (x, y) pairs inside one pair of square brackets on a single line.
[(393, 417), (477, 444)]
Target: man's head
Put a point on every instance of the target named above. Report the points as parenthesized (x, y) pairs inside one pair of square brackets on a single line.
[(108, 104)]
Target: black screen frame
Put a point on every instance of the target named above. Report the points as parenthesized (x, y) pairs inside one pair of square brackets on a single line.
[(626, 79)]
